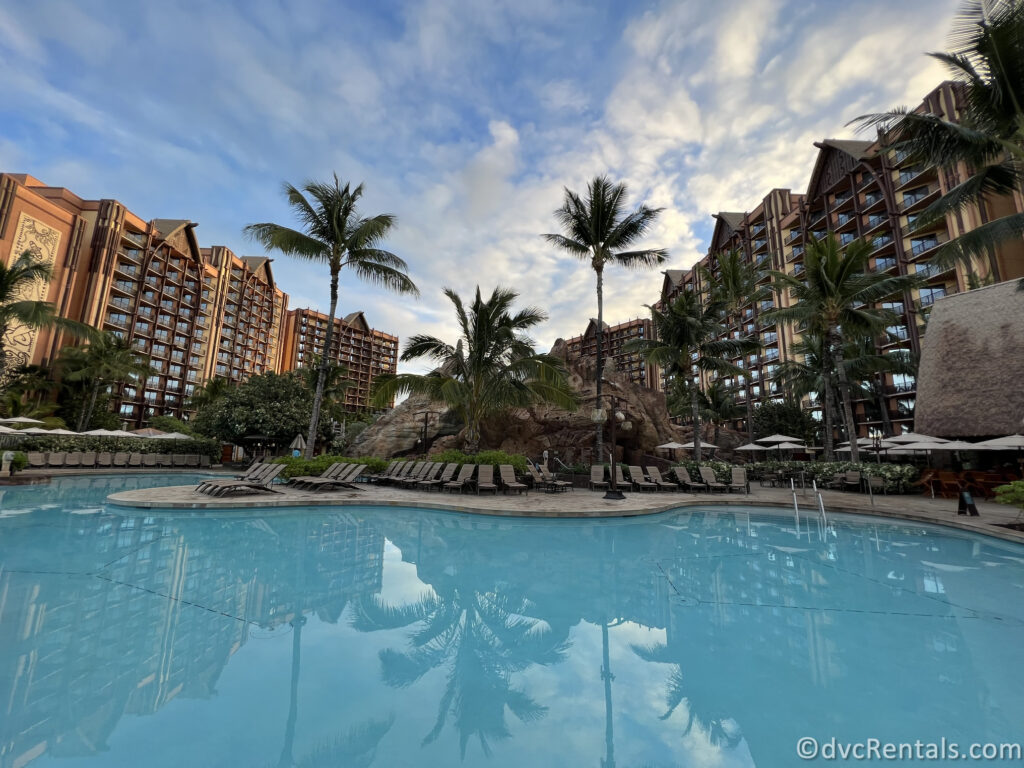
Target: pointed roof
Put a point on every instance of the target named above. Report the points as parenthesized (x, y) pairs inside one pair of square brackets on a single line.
[(726, 223), (356, 318), (255, 263), (836, 158), (592, 328), (181, 234)]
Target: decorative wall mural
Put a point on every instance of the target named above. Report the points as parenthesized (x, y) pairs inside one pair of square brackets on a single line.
[(42, 241)]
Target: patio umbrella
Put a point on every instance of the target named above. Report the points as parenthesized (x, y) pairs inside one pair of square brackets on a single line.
[(946, 445), (35, 431), (148, 432), (173, 436), (7, 430), (101, 433), (672, 445), (914, 437), (61, 432), (1003, 443), (777, 438), (124, 433), (690, 446), (20, 420), (299, 443), (751, 447)]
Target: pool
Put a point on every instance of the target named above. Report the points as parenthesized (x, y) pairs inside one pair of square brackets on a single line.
[(402, 637)]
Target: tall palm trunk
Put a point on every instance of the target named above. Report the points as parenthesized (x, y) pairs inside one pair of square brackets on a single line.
[(828, 404), (835, 340), (287, 760), (599, 436), (325, 362), (86, 415), (695, 407), (883, 407), (750, 412), (607, 677)]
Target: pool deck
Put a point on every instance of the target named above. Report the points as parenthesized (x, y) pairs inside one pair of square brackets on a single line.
[(581, 503)]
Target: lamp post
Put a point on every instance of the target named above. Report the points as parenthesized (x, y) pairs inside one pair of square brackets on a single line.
[(423, 434), (876, 443), (598, 417)]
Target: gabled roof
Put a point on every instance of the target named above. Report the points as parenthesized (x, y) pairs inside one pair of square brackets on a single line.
[(836, 157), (256, 263), (673, 279), (726, 223), (180, 233), (592, 328), (356, 318), (969, 378)]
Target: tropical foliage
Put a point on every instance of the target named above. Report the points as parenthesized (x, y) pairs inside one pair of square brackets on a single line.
[(494, 458), (898, 477), (169, 424), (491, 368), (99, 365), (202, 446), (598, 229), (833, 301), (335, 234), (986, 60), (1012, 494), (689, 341), (16, 279), (210, 392), (787, 417)]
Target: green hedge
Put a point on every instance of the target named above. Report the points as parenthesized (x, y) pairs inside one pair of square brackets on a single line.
[(202, 446), (311, 467), (494, 458), (20, 461)]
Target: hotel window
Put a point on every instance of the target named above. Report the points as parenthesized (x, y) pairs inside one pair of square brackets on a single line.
[(929, 295), (118, 318), (127, 409)]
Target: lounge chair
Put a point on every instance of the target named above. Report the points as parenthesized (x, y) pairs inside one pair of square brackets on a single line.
[(446, 475), (163, 459), (459, 483), (837, 482), (179, 460), (683, 476), (621, 483), (508, 479), (428, 472), (663, 485), (121, 460), (739, 481), (73, 459), (149, 460), (204, 461), (876, 484), (640, 483), (56, 459), (88, 460), (36, 459), (708, 476), (409, 470), (330, 473), (852, 480), (104, 459), (255, 471), (344, 479), (391, 467), (535, 475), (261, 485), (597, 475), (553, 483), (192, 460), (485, 479)]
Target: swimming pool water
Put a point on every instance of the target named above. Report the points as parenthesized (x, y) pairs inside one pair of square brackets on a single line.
[(402, 637)]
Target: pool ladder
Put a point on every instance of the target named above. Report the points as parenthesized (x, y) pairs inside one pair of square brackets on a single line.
[(823, 525)]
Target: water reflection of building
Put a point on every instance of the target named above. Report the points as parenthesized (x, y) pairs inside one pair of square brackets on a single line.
[(154, 615)]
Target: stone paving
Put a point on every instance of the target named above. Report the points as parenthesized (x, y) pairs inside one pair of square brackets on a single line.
[(584, 503)]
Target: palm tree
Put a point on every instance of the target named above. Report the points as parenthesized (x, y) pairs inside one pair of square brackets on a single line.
[(718, 407), (986, 60), (689, 342), (833, 301), (212, 391), (16, 279), (491, 368), (336, 235), (598, 229), (336, 383), (738, 284), (106, 361)]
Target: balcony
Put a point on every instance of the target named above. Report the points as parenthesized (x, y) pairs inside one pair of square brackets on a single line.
[(866, 181), (798, 269), (925, 245), (882, 242), (845, 238), (932, 270), (794, 235), (875, 221), (760, 244), (845, 219), (885, 264), (871, 199), (125, 286), (916, 198), (138, 238)]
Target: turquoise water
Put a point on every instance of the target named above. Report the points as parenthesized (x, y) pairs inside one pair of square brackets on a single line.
[(397, 637)]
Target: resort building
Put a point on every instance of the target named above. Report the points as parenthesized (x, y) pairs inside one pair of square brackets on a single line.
[(364, 351), (857, 189), (197, 313), (615, 339)]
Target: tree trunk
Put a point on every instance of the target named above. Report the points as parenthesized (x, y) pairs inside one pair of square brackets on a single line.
[(828, 406), (750, 411), (718, 429), (883, 408), (86, 415), (599, 436), (695, 407), (325, 362), (287, 760), (835, 340)]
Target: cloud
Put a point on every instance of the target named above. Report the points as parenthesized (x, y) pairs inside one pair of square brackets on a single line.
[(465, 119)]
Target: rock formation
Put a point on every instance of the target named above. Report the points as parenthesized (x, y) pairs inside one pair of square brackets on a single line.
[(533, 430)]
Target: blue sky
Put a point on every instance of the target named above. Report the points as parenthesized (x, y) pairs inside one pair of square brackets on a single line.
[(465, 119)]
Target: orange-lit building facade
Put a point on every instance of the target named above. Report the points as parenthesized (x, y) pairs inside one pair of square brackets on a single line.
[(615, 338), (365, 352), (197, 313), (857, 190)]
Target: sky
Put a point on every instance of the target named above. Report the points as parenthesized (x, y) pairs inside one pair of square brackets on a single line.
[(465, 119)]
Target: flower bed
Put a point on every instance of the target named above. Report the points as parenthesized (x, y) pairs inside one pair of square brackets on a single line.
[(69, 443)]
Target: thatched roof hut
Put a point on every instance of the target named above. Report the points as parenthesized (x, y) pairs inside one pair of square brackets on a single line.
[(971, 378)]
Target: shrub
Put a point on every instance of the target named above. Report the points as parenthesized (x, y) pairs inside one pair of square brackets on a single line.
[(301, 467), (19, 462), (202, 446), (1011, 494), (896, 476)]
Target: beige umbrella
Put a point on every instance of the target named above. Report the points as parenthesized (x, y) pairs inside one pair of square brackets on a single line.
[(672, 445), (690, 446), (1003, 443), (777, 438), (299, 443), (751, 447), (20, 420), (148, 432), (914, 437)]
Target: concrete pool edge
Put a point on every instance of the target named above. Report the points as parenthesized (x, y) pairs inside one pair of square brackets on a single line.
[(144, 499)]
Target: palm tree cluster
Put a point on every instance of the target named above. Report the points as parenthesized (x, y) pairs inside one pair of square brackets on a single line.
[(492, 367)]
